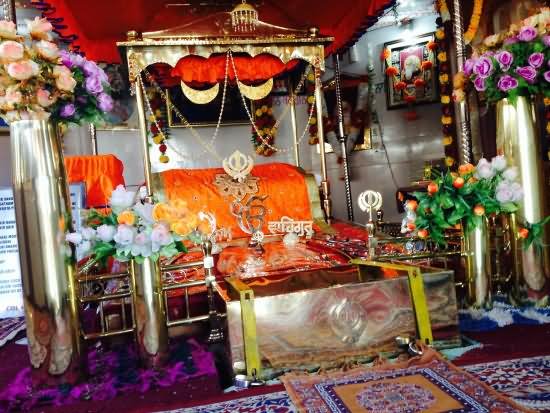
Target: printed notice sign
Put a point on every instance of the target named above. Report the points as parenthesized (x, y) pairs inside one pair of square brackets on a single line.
[(11, 294)]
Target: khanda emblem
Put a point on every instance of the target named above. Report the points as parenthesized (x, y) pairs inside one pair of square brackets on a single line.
[(369, 201), (251, 215), (238, 166)]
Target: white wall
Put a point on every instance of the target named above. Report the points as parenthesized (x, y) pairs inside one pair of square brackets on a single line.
[(409, 143)]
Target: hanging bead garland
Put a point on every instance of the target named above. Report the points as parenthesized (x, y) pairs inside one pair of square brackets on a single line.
[(158, 120), (265, 123)]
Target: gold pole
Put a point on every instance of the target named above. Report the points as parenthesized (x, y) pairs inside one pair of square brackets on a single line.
[(152, 330), (325, 185), (517, 140), (140, 100), (478, 266), (43, 216), (294, 124), (93, 136)]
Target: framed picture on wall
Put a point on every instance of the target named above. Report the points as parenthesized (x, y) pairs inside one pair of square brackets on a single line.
[(414, 74), (207, 114)]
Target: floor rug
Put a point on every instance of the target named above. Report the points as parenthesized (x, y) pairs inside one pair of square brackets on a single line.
[(428, 384), (9, 327), (525, 380)]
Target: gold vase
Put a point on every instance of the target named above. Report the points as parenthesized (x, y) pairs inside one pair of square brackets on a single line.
[(517, 140), (43, 215), (152, 331), (478, 265)]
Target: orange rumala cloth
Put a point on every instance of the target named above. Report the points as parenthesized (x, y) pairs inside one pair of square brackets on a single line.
[(101, 173), (284, 184)]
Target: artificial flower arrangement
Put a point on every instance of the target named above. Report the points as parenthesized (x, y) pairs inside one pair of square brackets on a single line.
[(134, 229), (515, 63), (265, 123), (464, 198), (38, 81)]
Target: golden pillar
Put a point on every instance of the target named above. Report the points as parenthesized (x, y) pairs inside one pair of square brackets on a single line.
[(517, 140), (152, 331), (478, 266), (325, 185), (43, 216)]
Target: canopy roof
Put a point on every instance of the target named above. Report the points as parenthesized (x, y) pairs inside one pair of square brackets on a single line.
[(94, 27)]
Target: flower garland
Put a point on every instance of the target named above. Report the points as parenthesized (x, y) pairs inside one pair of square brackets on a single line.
[(159, 117), (440, 46), (310, 92), (265, 122), (474, 22)]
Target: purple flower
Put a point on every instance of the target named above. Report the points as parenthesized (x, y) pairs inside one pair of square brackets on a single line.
[(93, 85), (505, 60), (507, 82), (105, 102), (547, 76), (546, 40), (536, 60), (469, 66), (510, 40), (527, 33), (527, 72), (67, 111), (479, 84), (90, 68), (483, 67), (102, 75), (66, 59)]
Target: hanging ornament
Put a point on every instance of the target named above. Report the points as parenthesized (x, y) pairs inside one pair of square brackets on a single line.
[(256, 92), (265, 124), (244, 18), (200, 97)]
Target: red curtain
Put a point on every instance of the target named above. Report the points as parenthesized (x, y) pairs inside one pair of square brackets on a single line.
[(95, 26)]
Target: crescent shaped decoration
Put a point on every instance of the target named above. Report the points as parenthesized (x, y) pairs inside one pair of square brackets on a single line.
[(200, 97), (256, 92)]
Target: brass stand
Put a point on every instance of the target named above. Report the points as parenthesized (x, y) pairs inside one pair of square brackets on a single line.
[(478, 266), (216, 330), (43, 215)]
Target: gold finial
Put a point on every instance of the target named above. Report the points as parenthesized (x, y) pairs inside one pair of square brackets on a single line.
[(244, 17)]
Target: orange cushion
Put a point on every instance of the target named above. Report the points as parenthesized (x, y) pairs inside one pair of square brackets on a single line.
[(284, 184), (101, 173)]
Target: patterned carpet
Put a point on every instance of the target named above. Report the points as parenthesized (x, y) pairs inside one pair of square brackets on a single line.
[(524, 380)]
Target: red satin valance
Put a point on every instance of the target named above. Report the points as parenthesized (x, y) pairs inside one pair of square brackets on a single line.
[(196, 69), (94, 27)]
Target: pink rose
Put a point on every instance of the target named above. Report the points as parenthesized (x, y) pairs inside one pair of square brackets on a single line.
[(39, 28), (47, 50), (479, 84), (11, 51), (44, 98), (483, 67), (65, 83), (12, 97), (507, 82), (23, 69), (528, 73), (536, 60), (61, 70), (469, 66), (8, 30), (504, 59), (527, 33)]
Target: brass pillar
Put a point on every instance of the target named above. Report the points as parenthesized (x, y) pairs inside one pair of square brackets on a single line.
[(517, 140), (325, 185), (294, 124), (43, 215), (478, 266), (142, 120), (152, 331)]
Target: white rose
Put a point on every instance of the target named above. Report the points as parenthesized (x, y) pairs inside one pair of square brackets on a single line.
[(484, 170), (106, 232), (47, 50), (39, 28), (83, 249), (499, 163), (124, 235), (510, 174), (88, 233), (121, 199), (8, 30), (74, 238), (61, 70)]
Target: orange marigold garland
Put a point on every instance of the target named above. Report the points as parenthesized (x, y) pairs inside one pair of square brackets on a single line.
[(265, 122), (474, 22), (443, 33)]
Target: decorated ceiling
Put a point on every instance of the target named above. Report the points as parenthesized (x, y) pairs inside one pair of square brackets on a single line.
[(94, 27)]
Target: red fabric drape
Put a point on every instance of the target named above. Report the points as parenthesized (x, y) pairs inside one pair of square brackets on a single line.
[(196, 69), (99, 24)]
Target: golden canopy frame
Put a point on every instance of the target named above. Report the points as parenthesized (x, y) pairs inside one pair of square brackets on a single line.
[(169, 46)]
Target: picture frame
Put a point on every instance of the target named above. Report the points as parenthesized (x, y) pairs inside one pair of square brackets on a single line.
[(206, 115), (407, 57)]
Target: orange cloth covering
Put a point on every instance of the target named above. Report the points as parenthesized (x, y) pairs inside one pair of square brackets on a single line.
[(284, 184), (101, 173)]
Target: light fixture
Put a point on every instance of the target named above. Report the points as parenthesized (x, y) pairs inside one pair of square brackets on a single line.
[(244, 17)]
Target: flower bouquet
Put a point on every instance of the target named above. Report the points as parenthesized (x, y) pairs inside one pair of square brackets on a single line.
[(519, 67), (38, 81), (134, 230), (462, 199)]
